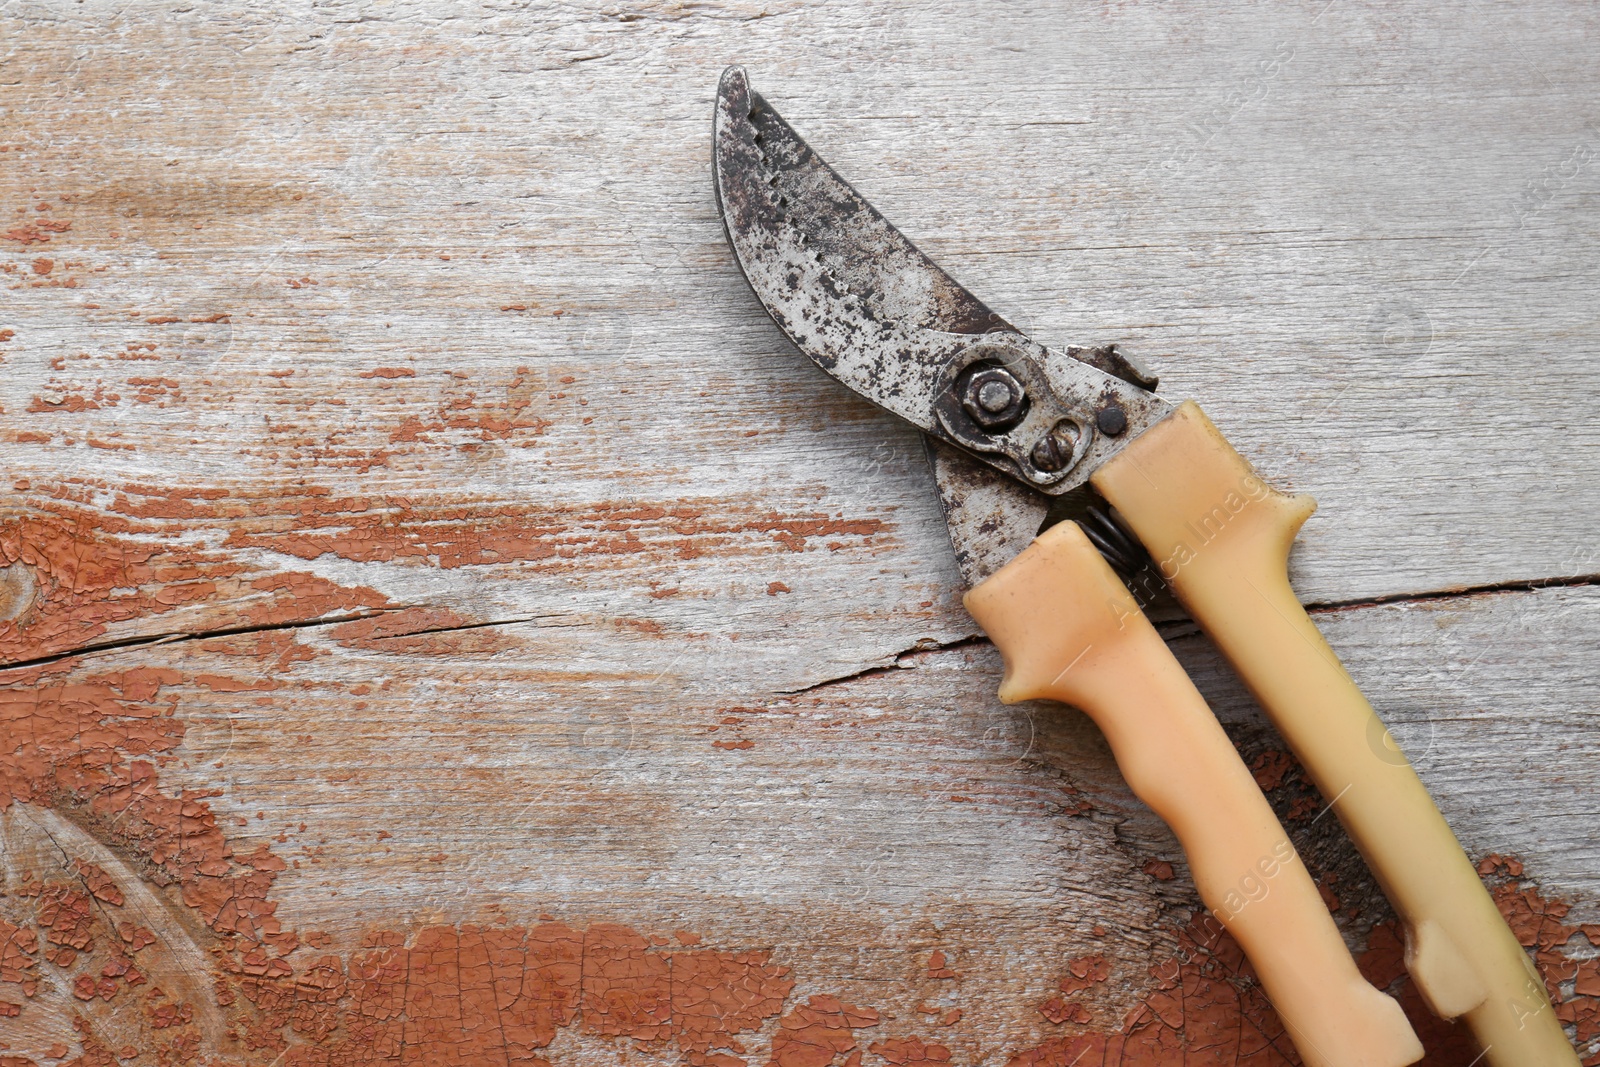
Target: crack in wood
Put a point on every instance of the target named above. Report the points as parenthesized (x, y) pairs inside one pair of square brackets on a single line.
[(195, 635), (1172, 630), (896, 662), (1524, 585)]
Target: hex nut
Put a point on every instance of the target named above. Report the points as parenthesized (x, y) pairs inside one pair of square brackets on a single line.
[(993, 398)]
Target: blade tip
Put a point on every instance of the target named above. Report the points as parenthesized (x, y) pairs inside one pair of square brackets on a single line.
[(733, 89)]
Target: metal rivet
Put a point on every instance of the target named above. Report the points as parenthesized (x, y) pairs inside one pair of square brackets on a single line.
[(1111, 419)]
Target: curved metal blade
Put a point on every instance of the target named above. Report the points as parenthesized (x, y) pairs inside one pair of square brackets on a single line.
[(861, 301), (819, 257), (989, 519)]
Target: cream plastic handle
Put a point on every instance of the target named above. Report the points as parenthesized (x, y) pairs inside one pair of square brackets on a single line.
[(1070, 631), (1221, 539)]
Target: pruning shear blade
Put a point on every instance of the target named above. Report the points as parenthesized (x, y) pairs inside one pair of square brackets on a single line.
[(866, 306)]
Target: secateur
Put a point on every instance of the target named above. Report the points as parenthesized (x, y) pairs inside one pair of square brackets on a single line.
[(1013, 428)]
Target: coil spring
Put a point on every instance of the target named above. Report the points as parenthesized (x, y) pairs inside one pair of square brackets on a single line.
[(1114, 541)]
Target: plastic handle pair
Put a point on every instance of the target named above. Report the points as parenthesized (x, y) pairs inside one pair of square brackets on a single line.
[(1221, 539)]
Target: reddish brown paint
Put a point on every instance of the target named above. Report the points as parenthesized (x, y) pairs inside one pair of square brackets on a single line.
[(457, 536), (36, 231), (1160, 870), (910, 1052), (421, 631), (309, 521), (85, 579), (817, 1032), (495, 995), (1205, 1008), (468, 995), (1271, 767), (19, 964), (1059, 1010)]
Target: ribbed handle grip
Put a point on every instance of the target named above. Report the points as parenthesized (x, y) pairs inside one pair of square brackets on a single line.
[(1070, 631)]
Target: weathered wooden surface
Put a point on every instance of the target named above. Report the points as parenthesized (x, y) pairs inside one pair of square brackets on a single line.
[(390, 356)]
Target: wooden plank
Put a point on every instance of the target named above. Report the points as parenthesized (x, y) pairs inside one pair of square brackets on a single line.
[(847, 833), (398, 350), (305, 183)]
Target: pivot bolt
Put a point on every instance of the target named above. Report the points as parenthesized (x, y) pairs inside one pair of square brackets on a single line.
[(994, 398), (1054, 450)]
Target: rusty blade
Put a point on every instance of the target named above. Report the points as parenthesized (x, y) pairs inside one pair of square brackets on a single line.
[(861, 301), (845, 285), (990, 519)]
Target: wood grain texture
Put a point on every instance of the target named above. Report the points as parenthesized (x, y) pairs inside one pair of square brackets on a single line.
[(524, 580)]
